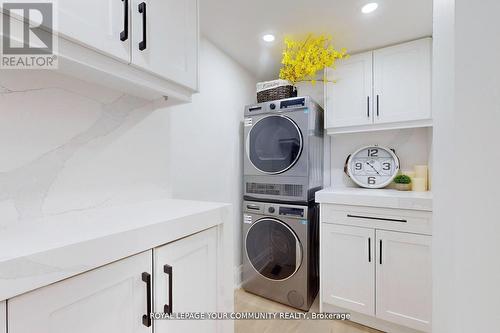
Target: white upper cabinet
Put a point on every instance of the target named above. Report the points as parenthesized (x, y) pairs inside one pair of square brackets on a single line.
[(349, 96), (348, 276), (402, 82), (388, 88), (165, 39), (110, 299), (186, 281), (404, 279), (103, 25)]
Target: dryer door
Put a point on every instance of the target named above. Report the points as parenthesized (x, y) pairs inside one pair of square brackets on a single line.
[(273, 249), (274, 144)]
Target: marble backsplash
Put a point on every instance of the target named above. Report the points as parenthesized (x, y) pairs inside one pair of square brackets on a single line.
[(68, 145)]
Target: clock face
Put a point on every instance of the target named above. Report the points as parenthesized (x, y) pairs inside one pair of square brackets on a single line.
[(373, 166)]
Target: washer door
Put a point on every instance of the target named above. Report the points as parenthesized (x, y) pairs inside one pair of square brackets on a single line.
[(273, 249), (274, 144)]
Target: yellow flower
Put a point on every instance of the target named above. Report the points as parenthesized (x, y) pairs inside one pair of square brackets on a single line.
[(302, 60)]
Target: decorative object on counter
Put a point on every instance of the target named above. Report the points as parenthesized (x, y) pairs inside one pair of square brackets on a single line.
[(372, 166), (419, 184), (409, 173), (402, 182), (303, 59), (422, 171), (274, 90)]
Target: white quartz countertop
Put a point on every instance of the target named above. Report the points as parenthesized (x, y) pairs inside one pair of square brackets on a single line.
[(384, 198), (43, 251)]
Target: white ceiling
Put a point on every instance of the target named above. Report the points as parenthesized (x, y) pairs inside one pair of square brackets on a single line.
[(236, 26)]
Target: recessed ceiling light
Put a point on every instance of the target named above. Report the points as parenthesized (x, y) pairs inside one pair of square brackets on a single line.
[(369, 7), (268, 38)]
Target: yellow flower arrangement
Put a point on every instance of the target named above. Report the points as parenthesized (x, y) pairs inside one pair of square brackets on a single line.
[(302, 60)]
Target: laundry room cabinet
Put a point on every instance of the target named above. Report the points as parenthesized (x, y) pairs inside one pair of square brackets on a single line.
[(351, 276), (374, 271), (165, 39), (403, 275), (383, 89), (185, 276), (103, 25), (113, 299), (181, 276), (148, 48)]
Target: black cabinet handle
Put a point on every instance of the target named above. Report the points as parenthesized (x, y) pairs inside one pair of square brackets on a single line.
[(378, 105), (369, 249), (380, 259), (124, 33), (368, 106), (142, 10), (376, 218), (168, 308), (146, 319)]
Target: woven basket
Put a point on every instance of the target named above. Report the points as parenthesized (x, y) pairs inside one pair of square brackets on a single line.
[(273, 90)]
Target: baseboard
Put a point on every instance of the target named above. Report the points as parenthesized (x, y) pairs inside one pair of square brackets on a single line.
[(238, 270)]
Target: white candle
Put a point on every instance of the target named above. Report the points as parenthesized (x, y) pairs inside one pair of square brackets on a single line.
[(419, 184), (422, 171)]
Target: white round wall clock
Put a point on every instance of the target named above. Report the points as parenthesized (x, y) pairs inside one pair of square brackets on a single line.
[(373, 166)]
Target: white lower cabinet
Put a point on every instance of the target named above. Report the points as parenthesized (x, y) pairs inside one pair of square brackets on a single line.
[(404, 284), (384, 274), (3, 317), (186, 281), (110, 299), (350, 278)]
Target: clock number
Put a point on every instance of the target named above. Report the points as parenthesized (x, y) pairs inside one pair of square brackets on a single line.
[(373, 152), (387, 166), (359, 165), (372, 180)]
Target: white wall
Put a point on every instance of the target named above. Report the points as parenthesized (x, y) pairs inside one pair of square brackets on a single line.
[(206, 136), (467, 116)]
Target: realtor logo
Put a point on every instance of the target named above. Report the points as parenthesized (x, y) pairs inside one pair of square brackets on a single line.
[(28, 39)]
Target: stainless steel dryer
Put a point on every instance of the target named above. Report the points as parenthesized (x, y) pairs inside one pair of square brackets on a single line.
[(283, 158), (280, 252)]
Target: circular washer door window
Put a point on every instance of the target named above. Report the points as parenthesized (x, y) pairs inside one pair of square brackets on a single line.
[(275, 144), (273, 249)]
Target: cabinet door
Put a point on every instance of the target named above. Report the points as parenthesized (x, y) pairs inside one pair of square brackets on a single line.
[(97, 24), (349, 99), (402, 82), (404, 285), (348, 267), (189, 267), (3, 318), (110, 299), (170, 31)]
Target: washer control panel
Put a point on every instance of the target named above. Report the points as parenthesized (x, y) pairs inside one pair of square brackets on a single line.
[(271, 209)]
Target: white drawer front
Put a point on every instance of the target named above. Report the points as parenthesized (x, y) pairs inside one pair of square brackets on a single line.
[(419, 222)]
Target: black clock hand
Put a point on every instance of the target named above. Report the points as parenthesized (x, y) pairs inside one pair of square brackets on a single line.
[(373, 168)]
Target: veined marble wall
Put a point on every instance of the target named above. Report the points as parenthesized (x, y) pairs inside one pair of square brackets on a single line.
[(69, 145)]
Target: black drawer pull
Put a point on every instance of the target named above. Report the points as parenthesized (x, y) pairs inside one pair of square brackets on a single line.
[(124, 33), (369, 249), (168, 308), (380, 252), (376, 218), (146, 319), (142, 10)]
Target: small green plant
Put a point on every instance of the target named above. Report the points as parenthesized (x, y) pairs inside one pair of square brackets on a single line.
[(402, 179)]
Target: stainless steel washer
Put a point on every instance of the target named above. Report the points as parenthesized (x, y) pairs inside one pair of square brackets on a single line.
[(280, 246), (283, 158)]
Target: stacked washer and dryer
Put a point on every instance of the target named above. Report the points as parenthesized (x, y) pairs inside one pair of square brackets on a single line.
[(283, 168)]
